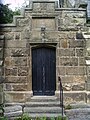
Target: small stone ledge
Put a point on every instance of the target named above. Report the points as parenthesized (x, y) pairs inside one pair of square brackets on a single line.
[(14, 104), (86, 35), (80, 105), (70, 9), (27, 9), (80, 110), (88, 25), (40, 1), (78, 114), (13, 111), (7, 25)]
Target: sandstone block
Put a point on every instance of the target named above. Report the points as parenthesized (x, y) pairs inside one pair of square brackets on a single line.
[(1, 88), (16, 79), (80, 52), (64, 43), (63, 35), (43, 7), (23, 22), (14, 97), (73, 79), (76, 43), (78, 114), (20, 61), (88, 86), (22, 71), (57, 61), (67, 79), (7, 87), (82, 71), (26, 34), (88, 97), (9, 36), (12, 111), (81, 61), (19, 52), (7, 29), (1, 53), (73, 97), (67, 52), (12, 108), (1, 71), (78, 87), (61, 70), (71, 70), (74, 86), (18, 35), (13, 114), (49, 23), (15, 44), (16, 52), (8, 61), (19, 87), (16, 61), (69, 61), (1, 97), (88, 70), (1, 43), (11, 71)]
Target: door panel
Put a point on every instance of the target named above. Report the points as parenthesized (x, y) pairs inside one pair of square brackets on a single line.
[(44, 71)]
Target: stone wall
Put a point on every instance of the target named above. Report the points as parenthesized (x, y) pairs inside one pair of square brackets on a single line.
[(87, 58), (63, 27), (1, 67)]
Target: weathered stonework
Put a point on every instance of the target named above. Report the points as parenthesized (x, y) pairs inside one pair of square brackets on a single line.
[(64, 29), (2, 44)]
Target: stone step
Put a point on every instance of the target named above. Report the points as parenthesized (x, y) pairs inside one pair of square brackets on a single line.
[(43, 98), (42, 110), (33, 116), (42, 104), (12, 111), (78, 114), (49, 115)]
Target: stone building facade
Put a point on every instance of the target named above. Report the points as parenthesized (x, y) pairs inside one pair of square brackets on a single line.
[(45, 25)]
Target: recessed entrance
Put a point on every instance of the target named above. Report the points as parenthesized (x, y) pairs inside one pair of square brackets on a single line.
[(44, 70)]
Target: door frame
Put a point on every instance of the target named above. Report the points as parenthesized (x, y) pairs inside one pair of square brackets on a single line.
[(38, 45)]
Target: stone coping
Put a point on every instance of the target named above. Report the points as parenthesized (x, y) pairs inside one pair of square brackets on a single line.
[(80, 105), (31, 8)]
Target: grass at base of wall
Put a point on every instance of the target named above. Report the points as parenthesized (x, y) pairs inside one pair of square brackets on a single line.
[(26, 117), (3, 118)]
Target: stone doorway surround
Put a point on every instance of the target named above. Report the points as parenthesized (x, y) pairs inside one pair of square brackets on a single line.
[(36, 45)]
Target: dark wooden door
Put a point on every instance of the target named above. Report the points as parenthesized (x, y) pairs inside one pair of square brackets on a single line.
[(43, 71)]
